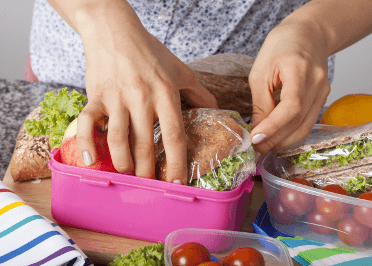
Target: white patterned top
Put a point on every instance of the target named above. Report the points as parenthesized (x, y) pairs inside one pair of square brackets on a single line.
[(191, 29)]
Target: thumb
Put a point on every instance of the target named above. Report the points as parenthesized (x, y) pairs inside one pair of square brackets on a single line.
[(197, 96)]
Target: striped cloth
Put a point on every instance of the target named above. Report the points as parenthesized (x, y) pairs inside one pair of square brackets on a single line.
[(314, 253), (26, 238)]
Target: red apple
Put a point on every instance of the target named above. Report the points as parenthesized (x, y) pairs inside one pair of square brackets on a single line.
[(70, 154)]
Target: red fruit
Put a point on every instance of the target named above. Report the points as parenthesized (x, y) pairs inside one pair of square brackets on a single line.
[(70, 154), (319, 224), (209, 264), (245, 257), (332, 209), (362, 213), (282, 215), (222, 261), (351, 232), (190, 254), (297, 202)]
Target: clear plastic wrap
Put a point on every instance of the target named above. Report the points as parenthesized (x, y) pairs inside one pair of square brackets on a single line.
[(347, 164), (220, 155)]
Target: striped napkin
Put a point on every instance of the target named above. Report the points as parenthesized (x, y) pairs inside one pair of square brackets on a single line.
[(314, 253), (26, 238)]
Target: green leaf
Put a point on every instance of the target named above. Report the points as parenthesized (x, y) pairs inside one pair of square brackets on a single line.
[(58, 110), (221, 178), (358, 150), (146, 256), (358, 183)]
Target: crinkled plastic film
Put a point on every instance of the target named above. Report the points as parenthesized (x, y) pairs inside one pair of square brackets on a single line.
[(220, 155), (355, 180)]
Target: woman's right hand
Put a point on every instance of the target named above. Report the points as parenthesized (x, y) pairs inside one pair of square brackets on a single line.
[(134, 79)]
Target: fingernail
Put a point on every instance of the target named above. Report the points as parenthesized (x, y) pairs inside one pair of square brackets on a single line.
[(87, 158), (258, 138), (177, 181)]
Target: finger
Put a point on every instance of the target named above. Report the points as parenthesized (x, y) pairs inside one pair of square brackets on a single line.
[(118, 138), (143, 142), (310, 119), (195, 94), (86, 121), (174, 138), (290, 106), (294, 131)]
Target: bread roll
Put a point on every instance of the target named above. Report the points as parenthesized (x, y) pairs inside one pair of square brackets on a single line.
[(31, 154)]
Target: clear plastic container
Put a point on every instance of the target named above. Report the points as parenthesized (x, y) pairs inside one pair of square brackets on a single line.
[(220, 243), (344, 221), (138, 207)]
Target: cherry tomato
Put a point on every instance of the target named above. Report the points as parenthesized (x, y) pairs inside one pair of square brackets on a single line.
[(297, 202), (245, 257), (362, 213), (319, 224), (209, 264), (222, 261), (190, 254), (332, 209), (279, 213), (352, 232)]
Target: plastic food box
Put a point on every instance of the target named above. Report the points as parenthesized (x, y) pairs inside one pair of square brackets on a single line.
[(220, 243), (344, 231), (137, 207)]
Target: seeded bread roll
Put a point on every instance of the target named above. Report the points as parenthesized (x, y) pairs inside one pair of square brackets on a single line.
[(31, 154)]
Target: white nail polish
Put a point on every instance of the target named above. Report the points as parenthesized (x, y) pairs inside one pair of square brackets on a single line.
[(177, 181), (258, 138), (87, 158)]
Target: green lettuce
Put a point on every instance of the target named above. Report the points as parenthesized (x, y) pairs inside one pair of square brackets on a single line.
[(358, 183), (221, 179), (146, 256), (58, 112), (358, 150)]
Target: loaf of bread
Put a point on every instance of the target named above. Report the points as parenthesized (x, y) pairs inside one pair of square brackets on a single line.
[(31, 154)]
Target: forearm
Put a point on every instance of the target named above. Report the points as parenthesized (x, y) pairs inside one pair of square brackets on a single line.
[(93, 17), (340, 23)]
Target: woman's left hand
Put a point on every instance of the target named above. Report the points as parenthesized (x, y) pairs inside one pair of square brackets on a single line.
[(294, 58)]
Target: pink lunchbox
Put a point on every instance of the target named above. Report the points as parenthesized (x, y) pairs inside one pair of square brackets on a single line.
[(140, 208)]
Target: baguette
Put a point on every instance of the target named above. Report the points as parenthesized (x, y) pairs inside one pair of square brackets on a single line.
[(31, 154)]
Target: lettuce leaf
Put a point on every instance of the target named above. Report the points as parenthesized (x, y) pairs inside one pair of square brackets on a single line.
[(221, 179), (146, 256), (58, 112), (358, 150), (358, 183)]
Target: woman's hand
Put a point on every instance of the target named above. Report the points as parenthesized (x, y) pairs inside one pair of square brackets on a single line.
[(134, 80), (293, 57)]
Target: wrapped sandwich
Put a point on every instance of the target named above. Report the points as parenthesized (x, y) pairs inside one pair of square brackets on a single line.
[(220, 155), (338, 155)]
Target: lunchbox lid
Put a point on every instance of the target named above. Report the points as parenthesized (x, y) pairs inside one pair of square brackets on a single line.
[(268, 165), (171, 190)]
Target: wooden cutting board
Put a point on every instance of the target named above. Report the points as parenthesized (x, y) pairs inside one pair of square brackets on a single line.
[(102, 248)]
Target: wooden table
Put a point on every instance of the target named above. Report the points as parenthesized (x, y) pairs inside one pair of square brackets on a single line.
[(102, 248)]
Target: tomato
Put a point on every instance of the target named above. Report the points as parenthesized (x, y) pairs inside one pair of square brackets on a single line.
[(297, 202), (279, 213), (222, 261), (362, 213), (352, 232), (209, 264), (319, 224), (190, 254), (332, 209), (245, 257)]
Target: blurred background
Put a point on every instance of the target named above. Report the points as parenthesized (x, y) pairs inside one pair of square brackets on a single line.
[(353, 70)]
